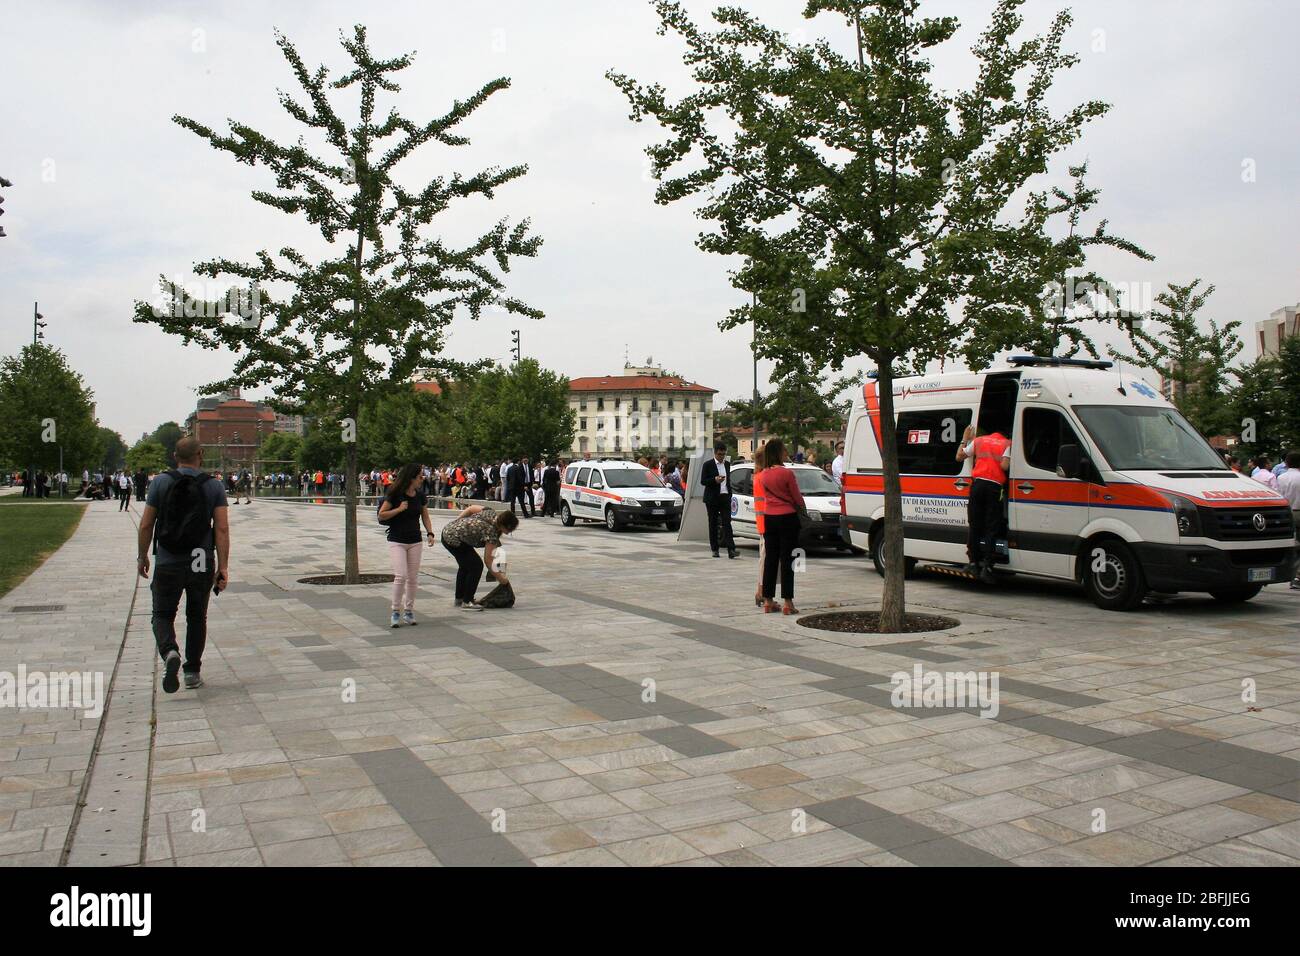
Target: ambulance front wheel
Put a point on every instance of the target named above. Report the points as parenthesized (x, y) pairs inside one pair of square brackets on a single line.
[(878, 555), (1112, 576)]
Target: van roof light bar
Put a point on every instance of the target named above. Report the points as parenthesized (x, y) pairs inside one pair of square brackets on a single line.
[(1051, 361)]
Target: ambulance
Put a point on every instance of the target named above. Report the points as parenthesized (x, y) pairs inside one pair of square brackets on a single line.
[(617, 493), (821, 495), (1109, 485)]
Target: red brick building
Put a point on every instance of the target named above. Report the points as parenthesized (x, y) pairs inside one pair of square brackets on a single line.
[(230, 430)]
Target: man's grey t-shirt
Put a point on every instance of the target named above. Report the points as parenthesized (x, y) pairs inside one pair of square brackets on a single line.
[(216, 496)]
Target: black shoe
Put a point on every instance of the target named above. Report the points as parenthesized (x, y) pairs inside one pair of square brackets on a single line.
[(972, 569), (732, 554), (172, 666), (986, 574), (193, 680), (716, 555)]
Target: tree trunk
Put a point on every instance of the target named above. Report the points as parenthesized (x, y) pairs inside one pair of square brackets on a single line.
[(892, 601)]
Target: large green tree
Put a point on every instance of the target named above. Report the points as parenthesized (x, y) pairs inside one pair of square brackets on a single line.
[(375, 306), (168, 434), (1171, 344), (522, 409), (147, 454), (863, 201), (1264, 405), (280, 451), (1054, 320), (46, 407)]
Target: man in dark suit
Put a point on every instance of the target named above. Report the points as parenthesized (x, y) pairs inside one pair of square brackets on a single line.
[(716, 479), (551, 490), (517, 487)]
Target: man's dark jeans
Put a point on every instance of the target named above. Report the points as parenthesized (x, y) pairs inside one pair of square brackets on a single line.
[(170, 581), (984, 517)]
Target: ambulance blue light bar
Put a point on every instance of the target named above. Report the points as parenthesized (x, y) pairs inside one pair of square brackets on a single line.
[(1049, 361)]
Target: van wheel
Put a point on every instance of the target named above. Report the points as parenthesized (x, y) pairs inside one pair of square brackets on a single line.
[(673, 525), (611, 521), (1118, 585), (566, 516), (878, 556), (1236, 595)]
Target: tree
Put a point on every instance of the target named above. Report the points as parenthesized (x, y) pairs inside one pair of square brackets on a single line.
[(112, 449), (1175, 347), (147, 454), (375, 309), (1265, 403), (862, 201), (799, 407), (47, 406), (168, 434), (520, 410), (280, 451), (1051, 319)]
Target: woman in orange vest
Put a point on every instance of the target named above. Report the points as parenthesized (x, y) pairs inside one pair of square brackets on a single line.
[(759, 502)]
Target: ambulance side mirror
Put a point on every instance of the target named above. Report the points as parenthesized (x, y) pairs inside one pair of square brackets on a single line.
[(1071, 462)]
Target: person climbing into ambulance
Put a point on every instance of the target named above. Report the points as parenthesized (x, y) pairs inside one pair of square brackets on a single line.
[(992, 461)]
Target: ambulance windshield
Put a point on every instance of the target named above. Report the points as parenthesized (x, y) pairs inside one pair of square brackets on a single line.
[(816, 482), (1136, 438), (632, 478)]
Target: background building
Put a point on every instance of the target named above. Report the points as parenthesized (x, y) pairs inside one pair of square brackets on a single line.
[(645, 407), (744, 438), (1281, 324), (230, 430)]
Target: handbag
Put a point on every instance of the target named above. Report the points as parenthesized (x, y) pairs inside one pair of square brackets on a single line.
[(805, 522)]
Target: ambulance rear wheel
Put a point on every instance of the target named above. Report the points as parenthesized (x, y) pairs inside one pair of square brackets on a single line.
[(566, 516), (878, 555), (1236, 595), (1112, 577)]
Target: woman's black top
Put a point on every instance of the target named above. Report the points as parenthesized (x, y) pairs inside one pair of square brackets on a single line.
[(405, 527)]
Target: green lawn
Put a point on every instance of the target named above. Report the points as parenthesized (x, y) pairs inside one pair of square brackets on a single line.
[(30, 531)]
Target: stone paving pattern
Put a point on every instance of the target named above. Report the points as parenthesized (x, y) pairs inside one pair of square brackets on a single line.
[(522, 737)]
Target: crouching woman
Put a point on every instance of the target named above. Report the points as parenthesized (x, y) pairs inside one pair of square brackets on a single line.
[(475, 527)]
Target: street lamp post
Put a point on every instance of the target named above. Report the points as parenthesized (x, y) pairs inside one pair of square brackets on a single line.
[(37, 335)]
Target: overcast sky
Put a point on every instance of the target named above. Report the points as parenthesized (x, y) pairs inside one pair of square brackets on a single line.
[(108, 192)]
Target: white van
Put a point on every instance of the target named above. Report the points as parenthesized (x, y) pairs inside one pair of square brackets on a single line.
[(1109, 485), (617, 493), (821, 494)]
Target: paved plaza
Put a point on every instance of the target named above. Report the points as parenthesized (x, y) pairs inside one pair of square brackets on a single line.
[(635, 708)]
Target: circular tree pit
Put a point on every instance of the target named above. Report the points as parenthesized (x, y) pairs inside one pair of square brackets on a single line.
[(342, 579), (868, 622)]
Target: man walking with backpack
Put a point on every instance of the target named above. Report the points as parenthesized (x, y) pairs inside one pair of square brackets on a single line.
[(186, 521)]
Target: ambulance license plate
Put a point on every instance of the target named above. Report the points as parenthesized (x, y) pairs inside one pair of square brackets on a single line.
[(1260, 574), (659, 511)]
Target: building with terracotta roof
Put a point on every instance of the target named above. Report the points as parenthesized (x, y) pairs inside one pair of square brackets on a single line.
[(231, 429), (644, 407)]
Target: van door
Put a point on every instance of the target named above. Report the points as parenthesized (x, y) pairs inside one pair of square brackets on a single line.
[(582, 498), (935, 491), (743, 519), (1047, 513)]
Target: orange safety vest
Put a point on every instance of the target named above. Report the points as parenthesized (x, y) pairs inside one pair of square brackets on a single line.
[(760, 503), (988, 452)]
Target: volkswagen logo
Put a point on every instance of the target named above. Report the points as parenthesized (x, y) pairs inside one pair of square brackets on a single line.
[(1259, 521)]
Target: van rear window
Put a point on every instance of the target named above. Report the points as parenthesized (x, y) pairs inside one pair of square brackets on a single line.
[(928, 439)]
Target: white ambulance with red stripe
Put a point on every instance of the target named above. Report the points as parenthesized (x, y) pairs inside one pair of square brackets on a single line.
[(617, 493), (1109, 485)]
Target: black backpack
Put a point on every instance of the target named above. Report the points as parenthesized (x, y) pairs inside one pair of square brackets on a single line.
[(183, 516)]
